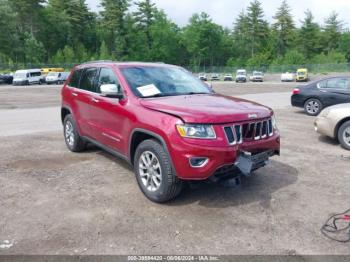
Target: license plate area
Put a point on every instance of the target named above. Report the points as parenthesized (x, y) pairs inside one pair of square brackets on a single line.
[(248, 162)]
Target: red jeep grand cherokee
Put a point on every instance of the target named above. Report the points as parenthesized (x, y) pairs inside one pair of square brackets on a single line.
[(166, 123)]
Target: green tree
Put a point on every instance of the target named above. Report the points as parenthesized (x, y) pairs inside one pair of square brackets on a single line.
[(241, 37), (144, 18), (309, 36), (258, 29), (203, 40), (284, 28), (329, 58), (58, 58), (344, 45), (34, 50), (114, 21), (68, 55), (332, 32), (104, 54), (293, 57)]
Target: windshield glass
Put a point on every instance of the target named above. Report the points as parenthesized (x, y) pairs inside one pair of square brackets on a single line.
[(52, 74), (301, 73), (162, 81), (20, 75), (258, 74), (241, 73)]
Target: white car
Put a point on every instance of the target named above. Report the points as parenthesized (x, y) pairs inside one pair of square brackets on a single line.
[(257, 77), (288, 77), (56, 77), (28, 77)]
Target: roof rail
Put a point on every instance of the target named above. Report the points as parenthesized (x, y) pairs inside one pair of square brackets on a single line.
[(98, 61)]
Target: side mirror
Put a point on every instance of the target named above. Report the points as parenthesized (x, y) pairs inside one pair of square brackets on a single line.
[(111, 90)]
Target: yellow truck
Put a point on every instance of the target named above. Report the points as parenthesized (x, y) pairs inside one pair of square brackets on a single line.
[(302, 75), (45, 71)]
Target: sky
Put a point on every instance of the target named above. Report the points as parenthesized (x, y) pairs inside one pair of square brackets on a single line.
[(224, 12)]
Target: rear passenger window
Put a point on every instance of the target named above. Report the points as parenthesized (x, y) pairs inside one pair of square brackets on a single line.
[(87, 81), (338, 83), (107, 76), (74, 81)]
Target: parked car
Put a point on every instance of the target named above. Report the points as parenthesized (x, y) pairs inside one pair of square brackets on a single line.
[(166, 123), (288, 77), (257, 77), (334, 122), (56, 78), (6, 79), (241, 75), (228, 77), (302, 75), (203, 77), (215, 77), (28, 77), (320, 94)]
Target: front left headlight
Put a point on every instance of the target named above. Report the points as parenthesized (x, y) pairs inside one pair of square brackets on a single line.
[(196, 131)]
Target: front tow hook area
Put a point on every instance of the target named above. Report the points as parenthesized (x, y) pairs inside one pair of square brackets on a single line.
[(248, 162)]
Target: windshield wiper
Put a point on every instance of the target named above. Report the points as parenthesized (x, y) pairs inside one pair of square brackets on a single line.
[(196, 93)]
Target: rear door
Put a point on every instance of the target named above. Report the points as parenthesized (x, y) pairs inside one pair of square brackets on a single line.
[(82, 85), (335, 91)]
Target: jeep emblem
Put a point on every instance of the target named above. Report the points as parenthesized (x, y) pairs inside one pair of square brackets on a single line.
[(252, 116)]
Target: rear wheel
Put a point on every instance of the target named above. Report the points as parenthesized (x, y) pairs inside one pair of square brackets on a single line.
[(73, 140), (313, 107), (344, 135), (154, 173)]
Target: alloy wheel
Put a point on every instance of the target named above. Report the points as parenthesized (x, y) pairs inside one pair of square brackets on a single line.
[(150, 171), (312, 107), (69, 133)]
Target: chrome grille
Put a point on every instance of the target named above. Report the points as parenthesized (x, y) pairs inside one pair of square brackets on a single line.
[(237, 134)]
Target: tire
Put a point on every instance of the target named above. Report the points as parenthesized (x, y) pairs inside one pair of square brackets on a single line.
[(71, 136), (344, 135), (313, 107), (162, 185)]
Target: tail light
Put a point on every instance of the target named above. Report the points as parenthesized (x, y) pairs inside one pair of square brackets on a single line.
[(296, 91)]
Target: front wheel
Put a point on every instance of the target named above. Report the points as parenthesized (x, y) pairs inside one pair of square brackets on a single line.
[(344, 135), (73, 140), (313, 107), (154, 173)]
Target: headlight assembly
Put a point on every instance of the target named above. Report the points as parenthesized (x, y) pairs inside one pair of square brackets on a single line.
[(196, 131)]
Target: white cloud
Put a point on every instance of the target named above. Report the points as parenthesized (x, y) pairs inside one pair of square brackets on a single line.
[(224, 12)]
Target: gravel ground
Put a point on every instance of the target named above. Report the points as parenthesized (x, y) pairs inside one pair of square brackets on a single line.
[(56, 202)]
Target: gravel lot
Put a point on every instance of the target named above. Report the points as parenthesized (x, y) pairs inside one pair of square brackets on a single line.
[(56, 202)]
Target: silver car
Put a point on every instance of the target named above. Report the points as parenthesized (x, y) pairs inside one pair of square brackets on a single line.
[(334, 121)]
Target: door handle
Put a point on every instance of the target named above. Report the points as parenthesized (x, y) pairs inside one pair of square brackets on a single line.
[(74, 94), (95, 100)]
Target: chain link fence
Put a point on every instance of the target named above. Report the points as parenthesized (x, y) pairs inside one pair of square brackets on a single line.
[(269, 69)]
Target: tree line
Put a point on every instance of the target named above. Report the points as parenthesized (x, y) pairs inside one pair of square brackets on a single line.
[(67, 31)]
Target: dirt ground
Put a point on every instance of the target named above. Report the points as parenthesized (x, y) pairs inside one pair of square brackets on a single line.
[(56, 202)]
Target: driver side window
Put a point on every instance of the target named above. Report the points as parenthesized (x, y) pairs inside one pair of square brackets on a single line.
[(107, 77)]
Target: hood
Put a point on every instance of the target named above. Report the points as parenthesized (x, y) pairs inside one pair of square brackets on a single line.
[(208, 109)]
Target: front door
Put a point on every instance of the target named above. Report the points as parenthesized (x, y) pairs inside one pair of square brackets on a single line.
[(109, 114)]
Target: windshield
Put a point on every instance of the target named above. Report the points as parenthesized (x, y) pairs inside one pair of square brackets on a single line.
[(258, 74), (301, 73), (241, 73), (20, 75), (52, 74), (162, 81)]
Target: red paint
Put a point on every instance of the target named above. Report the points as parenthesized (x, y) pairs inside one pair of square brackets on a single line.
[(296, 91), (111, 122)]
